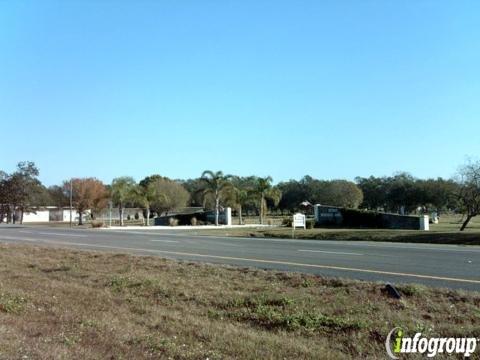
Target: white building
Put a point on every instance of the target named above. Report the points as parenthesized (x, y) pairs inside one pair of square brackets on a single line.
[(49, 214)]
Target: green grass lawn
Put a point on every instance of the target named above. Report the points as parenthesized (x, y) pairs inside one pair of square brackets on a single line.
[(68, 304), (446, 232)]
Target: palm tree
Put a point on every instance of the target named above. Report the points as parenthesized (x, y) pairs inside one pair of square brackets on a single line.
[(240, 198), (122, 191), (145, 195), (264, 190), (215, 183)]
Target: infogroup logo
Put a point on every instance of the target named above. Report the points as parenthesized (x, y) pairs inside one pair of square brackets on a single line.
[(397, 343)]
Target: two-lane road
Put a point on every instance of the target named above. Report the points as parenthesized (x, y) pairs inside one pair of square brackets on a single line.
[(433, 265)]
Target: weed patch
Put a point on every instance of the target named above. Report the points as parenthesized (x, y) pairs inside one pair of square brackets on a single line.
[(12, 304)]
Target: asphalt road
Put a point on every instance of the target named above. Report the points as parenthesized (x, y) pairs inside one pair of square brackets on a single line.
[(433, 265)]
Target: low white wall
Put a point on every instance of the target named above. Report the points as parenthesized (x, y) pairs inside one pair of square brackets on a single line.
[(75, 216), (39, 216)]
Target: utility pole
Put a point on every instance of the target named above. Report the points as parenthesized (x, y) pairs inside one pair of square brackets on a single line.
[(71, 201)]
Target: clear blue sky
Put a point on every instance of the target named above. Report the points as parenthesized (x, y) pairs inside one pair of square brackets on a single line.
[(333, 89)]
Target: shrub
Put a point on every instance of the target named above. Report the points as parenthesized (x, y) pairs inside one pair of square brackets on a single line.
[(172, 221), (287, 222), (97, 224), (137, 216), (310, 223), (193, 221), (411, 290)]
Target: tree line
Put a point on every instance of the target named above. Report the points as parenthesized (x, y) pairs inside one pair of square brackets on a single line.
[(22, 191)]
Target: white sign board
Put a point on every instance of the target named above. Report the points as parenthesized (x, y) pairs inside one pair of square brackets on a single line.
[(299, 221)]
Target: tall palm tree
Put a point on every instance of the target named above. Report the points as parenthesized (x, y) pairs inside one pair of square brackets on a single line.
[(264, 190), (145, 195), (240, 198), (216, 184), (122, 192)]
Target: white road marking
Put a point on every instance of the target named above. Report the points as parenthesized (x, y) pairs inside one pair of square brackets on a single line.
[(167, 241), (331, 252), (263, 261), (355, 243), (214, 242), (409, 246), (228, 244), (145, 233), (3, 237), (51, 233)]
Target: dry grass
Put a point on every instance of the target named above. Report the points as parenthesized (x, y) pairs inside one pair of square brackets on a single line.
[(67, 304)]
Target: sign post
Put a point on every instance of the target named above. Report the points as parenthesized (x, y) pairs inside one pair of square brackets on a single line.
[(71, 202), (110, 214), (298, 221)]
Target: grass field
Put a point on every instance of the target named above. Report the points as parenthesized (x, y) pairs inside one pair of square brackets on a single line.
[(446, 232), (67, 304)]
